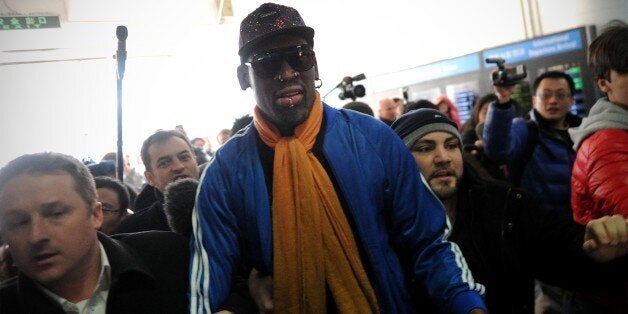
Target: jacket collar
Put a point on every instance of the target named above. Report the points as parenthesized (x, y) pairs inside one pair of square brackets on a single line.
[(126, 268), (570, 119), (127, 273)]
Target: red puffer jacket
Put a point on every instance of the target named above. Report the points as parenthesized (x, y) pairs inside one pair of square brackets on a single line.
[(599, 181)]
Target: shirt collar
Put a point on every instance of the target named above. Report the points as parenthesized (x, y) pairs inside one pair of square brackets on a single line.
[(102, 286)]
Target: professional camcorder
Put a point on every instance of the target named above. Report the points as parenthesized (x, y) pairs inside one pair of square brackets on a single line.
[(348, 90), (504, 76)]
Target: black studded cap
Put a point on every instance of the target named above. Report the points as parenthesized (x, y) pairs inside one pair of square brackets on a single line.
[(271, 19)]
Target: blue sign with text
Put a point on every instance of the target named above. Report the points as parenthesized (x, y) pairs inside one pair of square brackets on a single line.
[(538, 47), (428, 72)]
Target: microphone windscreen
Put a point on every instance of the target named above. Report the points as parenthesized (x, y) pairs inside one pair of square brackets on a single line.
[(179, 199), (121, 32), (359, 77)]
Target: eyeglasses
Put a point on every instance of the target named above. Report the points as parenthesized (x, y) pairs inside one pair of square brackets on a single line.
[(560, 95), (110, 211), (268, 63)]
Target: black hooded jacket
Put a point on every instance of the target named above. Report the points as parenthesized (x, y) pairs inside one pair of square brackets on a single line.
[(508, 241)]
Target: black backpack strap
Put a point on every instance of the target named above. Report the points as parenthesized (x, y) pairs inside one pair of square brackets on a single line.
[(531, 141)]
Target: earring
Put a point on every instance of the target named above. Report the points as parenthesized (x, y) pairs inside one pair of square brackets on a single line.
[(318, 83), (279, 78)]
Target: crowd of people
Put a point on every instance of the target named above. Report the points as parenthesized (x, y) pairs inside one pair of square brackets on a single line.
[(307, 208)]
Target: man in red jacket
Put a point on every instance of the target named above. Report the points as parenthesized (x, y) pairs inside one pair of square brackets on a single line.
[(598, 184)]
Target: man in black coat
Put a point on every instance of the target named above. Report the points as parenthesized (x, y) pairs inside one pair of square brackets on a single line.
[(168, 156), (506, 238), (49, 216)]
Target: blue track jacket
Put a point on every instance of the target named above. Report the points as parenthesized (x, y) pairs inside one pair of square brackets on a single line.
[(391, 205)]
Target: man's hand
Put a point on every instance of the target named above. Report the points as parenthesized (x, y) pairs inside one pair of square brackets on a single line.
[(503, 93), (261, 289), (606, 238)]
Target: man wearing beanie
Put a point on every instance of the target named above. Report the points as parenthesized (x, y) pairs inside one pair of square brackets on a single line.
[(506, 238), (327, 204)]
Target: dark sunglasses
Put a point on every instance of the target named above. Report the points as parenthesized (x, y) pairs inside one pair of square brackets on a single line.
[(268, 63)]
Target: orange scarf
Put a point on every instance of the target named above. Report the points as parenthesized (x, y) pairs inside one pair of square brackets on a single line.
[(313, 242)]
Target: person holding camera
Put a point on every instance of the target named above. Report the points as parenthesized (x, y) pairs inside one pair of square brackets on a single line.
[(537, 152)]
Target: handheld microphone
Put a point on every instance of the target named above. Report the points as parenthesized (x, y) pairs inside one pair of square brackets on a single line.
[(122, 33), (179, 198)]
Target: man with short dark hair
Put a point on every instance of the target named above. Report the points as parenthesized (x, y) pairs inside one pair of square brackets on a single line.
[(167, 156), (49, 216), (359, 107), (538, 153), (328, 202), (507, 239), (114, 198)]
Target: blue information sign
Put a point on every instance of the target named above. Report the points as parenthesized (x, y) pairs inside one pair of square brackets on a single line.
[(538, 47), (428, 72)]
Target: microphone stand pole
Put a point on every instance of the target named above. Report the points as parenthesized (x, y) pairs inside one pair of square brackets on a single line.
[(121, 33)]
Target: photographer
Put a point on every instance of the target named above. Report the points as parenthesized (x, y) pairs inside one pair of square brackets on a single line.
[(538, 152)]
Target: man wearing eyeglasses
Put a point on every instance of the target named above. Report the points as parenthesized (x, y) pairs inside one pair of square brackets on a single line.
[(114, 198), (538, 152), (328, 203)]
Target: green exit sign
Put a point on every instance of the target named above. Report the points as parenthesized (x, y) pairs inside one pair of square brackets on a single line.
[(28, 22)]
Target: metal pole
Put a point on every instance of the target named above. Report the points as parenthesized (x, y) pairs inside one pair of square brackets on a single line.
[(119, 157), (121, 33)]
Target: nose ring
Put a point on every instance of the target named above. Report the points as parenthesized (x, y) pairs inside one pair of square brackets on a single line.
[(281, 79)]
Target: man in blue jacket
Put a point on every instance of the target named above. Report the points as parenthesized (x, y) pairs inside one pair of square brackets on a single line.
[(538, 152), (328, 202)]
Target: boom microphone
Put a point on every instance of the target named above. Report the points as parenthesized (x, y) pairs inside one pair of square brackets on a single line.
[(358, 77), (349, 80), (345, 81), (179, 198), (122, 33)]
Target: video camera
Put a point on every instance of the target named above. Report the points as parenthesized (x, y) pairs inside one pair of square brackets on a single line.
[(348, 90), (506, 76)]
